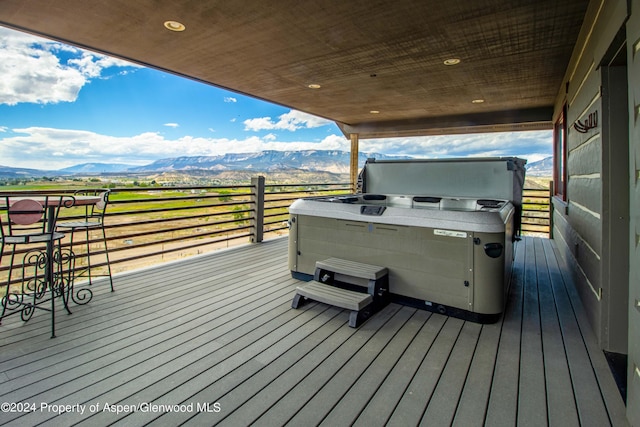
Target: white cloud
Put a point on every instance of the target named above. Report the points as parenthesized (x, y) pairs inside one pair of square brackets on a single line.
[(230, 99), (259, 124), (293, 120), (91, 65), (33, 73), (171, 125), (533, 145), (50, 149)]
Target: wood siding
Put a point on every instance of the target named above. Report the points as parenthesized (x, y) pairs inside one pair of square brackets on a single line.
[(633, 377), (582, 225)]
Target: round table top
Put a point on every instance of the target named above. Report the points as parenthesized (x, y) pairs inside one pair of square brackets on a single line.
[(56, 200)]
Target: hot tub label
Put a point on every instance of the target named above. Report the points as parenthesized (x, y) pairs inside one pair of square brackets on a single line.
[(450, 233)]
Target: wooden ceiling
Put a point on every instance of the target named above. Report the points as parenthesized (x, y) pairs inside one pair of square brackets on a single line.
[(367, 55)]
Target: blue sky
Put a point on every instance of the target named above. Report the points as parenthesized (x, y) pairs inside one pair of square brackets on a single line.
[(61, 106)]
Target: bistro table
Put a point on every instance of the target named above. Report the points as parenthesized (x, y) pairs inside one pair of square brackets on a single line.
[(53, 204)]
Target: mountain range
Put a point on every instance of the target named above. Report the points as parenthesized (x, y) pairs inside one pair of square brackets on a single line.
[(542, 167), (264, 161), (332, 161)]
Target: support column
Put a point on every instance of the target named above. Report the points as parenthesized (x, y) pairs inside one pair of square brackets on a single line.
[(257, 222), (353, 164)]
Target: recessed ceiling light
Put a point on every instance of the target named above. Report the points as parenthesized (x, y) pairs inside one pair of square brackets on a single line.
[(314, 86), (174, 26), (374, 112), (477, 101), (451, 61)]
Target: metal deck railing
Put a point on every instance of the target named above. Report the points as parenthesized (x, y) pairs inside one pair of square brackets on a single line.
[(536, 211), (148, 225)]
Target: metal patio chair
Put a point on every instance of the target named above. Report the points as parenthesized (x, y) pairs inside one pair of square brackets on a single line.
[(92, 219)]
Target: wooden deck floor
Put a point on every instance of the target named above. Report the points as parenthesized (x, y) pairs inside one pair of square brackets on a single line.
[(219, 329)]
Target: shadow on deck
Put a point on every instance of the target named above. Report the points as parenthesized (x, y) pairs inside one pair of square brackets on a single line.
[(214, 339)]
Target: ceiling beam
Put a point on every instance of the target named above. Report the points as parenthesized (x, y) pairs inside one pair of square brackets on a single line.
[(498, 121)]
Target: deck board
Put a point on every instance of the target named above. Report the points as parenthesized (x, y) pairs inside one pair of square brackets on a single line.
[(328, 397), (473, 402), (606, 382), (503, 397), (561, 402), (348, 410), (219, 329), (272, 386), (303, 390), (444, 403), (391, 390), (416, 397), (532, 408)]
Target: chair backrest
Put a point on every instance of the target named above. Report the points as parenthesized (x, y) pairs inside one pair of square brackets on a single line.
[(29, 214), (98, 209), (25, 212)]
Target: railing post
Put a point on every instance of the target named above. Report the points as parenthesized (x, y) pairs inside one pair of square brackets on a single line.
[(353, 162), (551, 209), (257, 222)]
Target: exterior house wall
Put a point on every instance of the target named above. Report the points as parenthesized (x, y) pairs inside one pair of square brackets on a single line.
[(597, 226), (581, 222)]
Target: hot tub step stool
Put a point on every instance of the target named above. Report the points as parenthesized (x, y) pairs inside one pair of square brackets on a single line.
[(361, 288)]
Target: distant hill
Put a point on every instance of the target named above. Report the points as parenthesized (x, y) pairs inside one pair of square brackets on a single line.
[(542, 167), (9, 172), (326, 161), (229, 177), (333, 161), (97, 168)]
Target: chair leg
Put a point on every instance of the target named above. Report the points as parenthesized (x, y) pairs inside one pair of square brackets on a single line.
[(13, 255), (7, 295), (82, 295), (88, 241), (53, 305), (106, 253), (35, 282), (63, 276), (41, 273), (4, 301), (88, 255)]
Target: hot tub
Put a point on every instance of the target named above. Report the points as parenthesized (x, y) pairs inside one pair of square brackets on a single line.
[(450, 254)]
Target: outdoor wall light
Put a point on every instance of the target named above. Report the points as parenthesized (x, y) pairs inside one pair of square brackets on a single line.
[(174, 26)]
